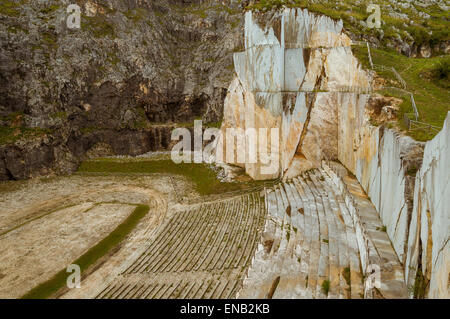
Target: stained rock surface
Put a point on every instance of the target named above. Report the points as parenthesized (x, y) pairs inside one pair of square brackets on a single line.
[(294, 76)]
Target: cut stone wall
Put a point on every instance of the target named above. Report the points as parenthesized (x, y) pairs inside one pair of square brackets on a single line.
[(298, 75), (429, 231), (295, 69), (385, 163)]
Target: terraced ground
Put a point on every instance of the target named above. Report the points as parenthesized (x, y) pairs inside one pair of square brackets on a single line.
[(316, 246), (309, 237), (47, 225), (201, 252)]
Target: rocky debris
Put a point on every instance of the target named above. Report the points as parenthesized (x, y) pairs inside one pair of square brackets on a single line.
[(319, 241), (382, 108)]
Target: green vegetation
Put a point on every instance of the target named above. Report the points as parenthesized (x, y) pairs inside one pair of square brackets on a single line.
[(425, 77), (202, 175), (419, 289), (412, 171), (50, 9), (10, 8), (136, 15), (12, 134), (396, 20), (59, 115), (49, 38), (12, 129), (346, 275), (326, 287), (99, 26), (431, 100), (440, 73), (382, 228), (50, 287)]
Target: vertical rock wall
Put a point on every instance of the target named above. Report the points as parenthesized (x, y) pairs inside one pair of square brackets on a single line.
[(385, 163), (428, 254), (295, 69), (298, 75)]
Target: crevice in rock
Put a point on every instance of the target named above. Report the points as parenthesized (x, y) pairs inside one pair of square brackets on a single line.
[(273, 287), (10, 175), (310, 99)]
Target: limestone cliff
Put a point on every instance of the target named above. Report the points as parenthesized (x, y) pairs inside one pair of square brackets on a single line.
[(409, 188), (428, 256), (296, 71), (298, 75)]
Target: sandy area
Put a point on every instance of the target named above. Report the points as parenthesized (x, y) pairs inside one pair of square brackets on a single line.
[(45, 224)]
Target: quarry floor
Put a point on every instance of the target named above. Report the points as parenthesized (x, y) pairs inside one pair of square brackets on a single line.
[(203, 247), (45, 224)]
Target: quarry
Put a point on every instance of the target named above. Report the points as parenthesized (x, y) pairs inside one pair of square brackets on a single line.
[(320, 194)]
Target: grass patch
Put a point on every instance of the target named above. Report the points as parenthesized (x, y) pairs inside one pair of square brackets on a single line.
[(419, 289), (325, 287), (346, 275), (202, 175), (136, 15), (99, 26), (10, 135), (440, 73), (424, 30), (412, 171), (48, 288), (10, 8), (431, 99)]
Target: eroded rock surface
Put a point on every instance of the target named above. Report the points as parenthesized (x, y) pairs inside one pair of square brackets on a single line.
[(428, 254), (299, 76), (294, 75), (132, 65)]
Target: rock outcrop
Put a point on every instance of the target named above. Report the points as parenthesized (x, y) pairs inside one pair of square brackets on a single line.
[(428, 256), (295, 73), (131, 66), (298, 75), (409, 188)]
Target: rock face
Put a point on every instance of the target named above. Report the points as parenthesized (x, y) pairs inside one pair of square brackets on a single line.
[(428, 254), (380, 159), (296, 71), (298, 75), (62, 154), (412, 206), (132, 65)]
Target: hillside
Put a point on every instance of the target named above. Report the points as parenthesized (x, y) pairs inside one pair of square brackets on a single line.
[(136, 69), (413, 28)]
